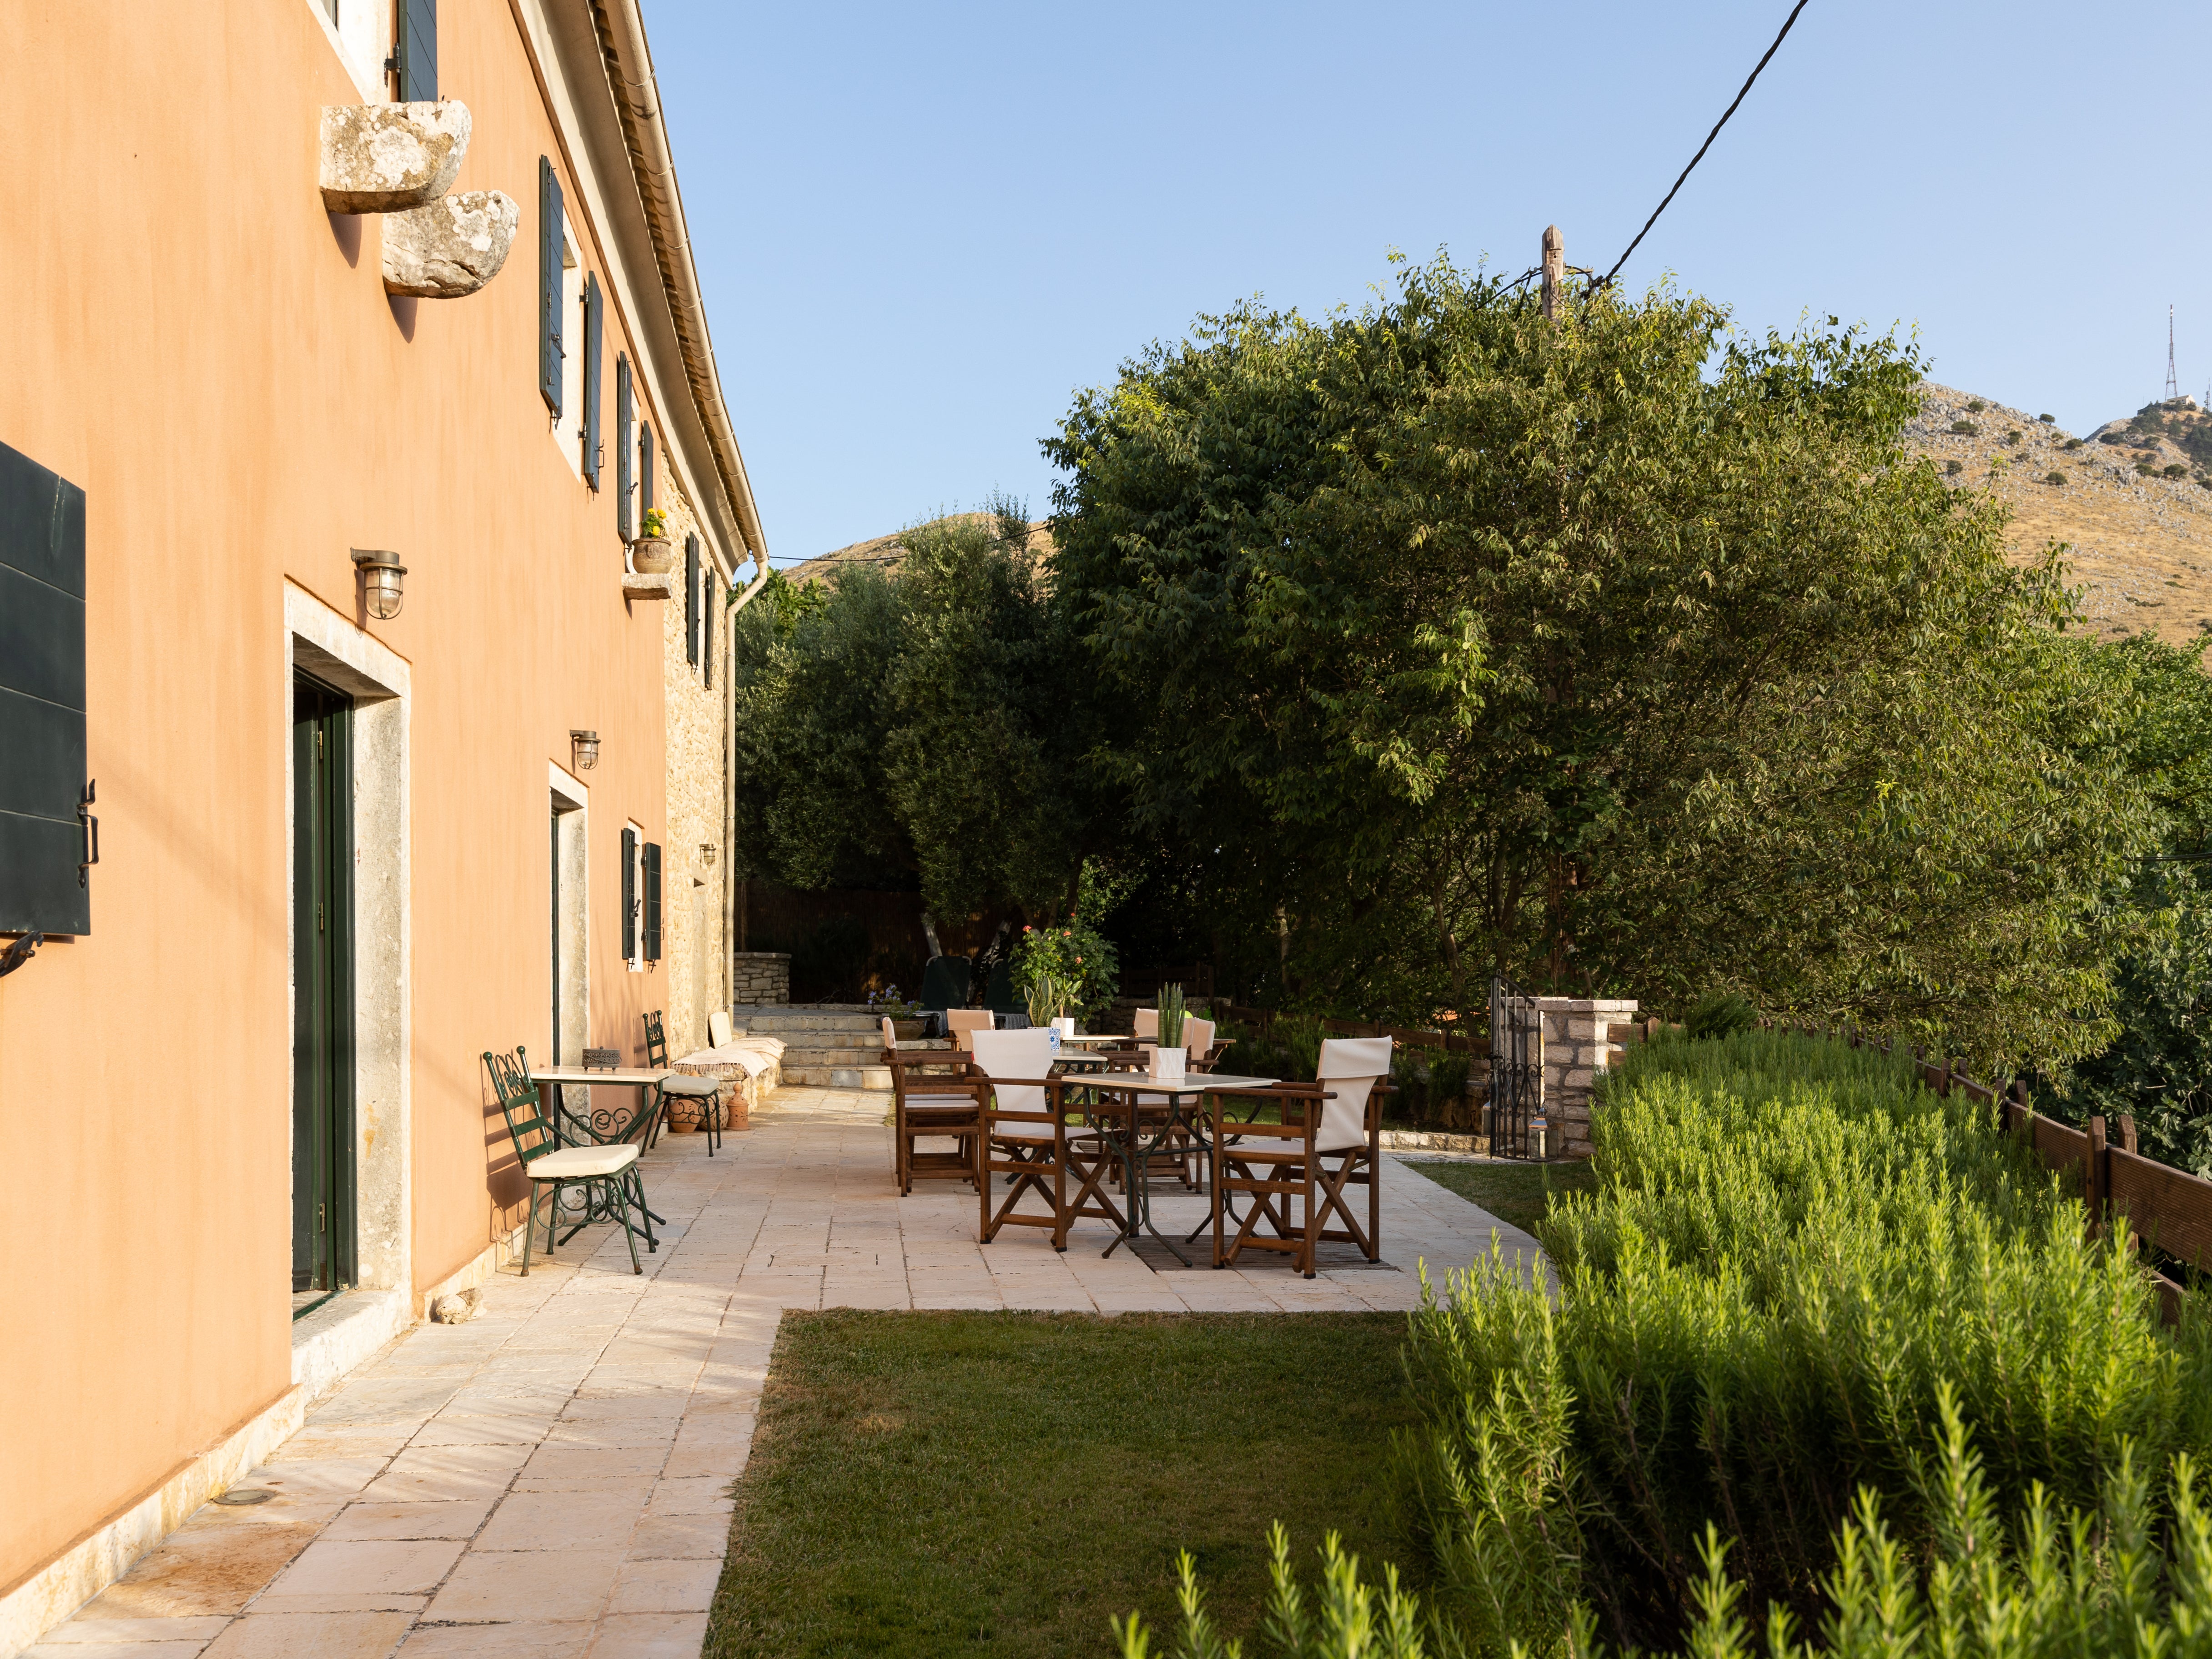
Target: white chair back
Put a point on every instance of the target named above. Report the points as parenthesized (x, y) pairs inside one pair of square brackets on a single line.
[(960, 1022), (718, 1029), (1197, 1036), (1148, 1025), (1350, 1068), (891, 1036), (1025, 1054)]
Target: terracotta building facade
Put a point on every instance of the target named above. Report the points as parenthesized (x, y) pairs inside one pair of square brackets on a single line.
[(351, 342)]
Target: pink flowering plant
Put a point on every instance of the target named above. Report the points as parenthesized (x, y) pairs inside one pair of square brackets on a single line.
[(1078, 961)]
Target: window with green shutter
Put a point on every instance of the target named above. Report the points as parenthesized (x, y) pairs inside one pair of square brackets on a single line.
[(629, 894), (706, 631), (415, 55), (549, 286), (45, 875), (594, 309), (691, 600), (651, 907), (644, 470), (625, 413)]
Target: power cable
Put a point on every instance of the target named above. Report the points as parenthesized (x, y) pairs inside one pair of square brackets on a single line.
[(1607, 279)]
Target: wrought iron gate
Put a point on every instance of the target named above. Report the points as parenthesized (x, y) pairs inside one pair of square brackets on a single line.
[(1517, 1071)]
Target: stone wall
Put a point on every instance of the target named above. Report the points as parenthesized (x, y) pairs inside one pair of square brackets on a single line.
[(760, 979), (1577, 1046), (693, 902)]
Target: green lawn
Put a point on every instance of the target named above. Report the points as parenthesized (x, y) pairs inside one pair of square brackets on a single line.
[(1003, 1484), (1513, 1192)]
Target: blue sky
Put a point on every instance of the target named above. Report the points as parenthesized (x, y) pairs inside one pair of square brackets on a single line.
[(921, 228)]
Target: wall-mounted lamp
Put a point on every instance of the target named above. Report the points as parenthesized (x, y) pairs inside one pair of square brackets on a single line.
[(585, 747), (382, 577), (706, 851)]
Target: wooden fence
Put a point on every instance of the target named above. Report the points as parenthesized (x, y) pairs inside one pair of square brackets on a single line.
[(2169, 1208)]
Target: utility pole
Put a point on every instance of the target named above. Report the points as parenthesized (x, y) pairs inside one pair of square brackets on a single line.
[(2173, 390), (1555, 272)]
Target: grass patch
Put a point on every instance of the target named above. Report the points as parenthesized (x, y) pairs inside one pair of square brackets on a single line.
[(1003, 1484), (1516, 1193)]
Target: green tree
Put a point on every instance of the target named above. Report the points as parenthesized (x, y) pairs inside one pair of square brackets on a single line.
[(1637, 658)]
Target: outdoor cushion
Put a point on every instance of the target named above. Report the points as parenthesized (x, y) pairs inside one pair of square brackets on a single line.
[(1018, 1054), (577, 1163), (718, 1029), (940, 1102), (689, 1087), (1352, 1066)]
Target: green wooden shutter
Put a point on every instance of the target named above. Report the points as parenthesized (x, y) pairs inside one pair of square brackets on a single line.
[(44, 883), (549, 286), (652, 901), (625, 525), (418, 51), (706, 631), (629, 894), (594, 309), (644, 470), (691, 600)]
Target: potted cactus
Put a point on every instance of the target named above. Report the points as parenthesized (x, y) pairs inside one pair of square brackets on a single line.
[(653, 553), (1170, 1058)]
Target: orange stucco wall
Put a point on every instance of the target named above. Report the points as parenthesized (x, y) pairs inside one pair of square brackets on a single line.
[(194, 341)]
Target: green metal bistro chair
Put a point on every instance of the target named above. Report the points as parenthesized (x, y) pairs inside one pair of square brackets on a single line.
[(681, 1087), (612, 1169)]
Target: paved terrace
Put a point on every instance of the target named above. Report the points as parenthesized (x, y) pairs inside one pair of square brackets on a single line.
[(552, 1479)]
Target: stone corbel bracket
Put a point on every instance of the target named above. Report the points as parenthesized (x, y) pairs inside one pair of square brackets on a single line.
[(451, 247), (391, 158)]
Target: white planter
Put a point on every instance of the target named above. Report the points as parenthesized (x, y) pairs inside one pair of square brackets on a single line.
[(1168, 1064), (1065, 1028)]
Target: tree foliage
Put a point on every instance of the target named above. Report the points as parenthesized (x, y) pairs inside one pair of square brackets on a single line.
[(1617, 655), (924, 723)]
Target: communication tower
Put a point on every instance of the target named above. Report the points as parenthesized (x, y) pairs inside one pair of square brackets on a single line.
[(2173, 389)]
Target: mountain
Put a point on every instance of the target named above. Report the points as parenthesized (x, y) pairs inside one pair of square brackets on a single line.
[(2131, 503)]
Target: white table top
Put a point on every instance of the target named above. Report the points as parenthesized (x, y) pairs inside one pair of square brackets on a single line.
[(633, 1076), (1196, 1083), (1091, 1039)]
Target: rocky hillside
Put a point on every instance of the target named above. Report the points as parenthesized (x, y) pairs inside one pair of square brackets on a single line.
[(2130, 501)]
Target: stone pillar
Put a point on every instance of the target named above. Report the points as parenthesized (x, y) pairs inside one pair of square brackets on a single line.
[(1578, 1045), (760, 979)]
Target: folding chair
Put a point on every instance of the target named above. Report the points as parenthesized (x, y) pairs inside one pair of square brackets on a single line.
[(960, 1022), (933, 1093), (611, 1168), (680, 1086), (1025, 1137), (1337, 1117)]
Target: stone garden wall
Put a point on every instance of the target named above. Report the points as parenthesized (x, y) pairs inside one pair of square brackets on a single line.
[(760, 979)]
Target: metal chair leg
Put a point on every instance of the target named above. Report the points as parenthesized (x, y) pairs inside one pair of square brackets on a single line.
[(621, 1208), (529, 1226)]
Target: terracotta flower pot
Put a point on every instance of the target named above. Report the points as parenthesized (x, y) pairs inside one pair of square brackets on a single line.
[(684, 1113), (907, 1031), (653, 556)]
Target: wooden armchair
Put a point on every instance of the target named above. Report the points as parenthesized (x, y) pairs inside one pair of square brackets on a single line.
[(1027, 1140), (935, 1094), (1329, 1141)]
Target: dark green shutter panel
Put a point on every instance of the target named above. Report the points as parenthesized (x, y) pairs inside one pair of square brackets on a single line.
[(644, 470), (42, 879), (593, 310), (652, 901), (691, 599), (549, 286), (706, 642), (629, 894), (418, 51), (625, 525)]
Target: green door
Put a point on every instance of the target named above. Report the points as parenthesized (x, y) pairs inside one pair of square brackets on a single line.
[(322, 988)]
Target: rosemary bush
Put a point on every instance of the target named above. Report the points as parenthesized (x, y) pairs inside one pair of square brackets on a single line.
[(1804, 1285)]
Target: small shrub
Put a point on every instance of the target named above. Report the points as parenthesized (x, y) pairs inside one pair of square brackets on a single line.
[(2176, 470), (1966, 428), (2013, 436), (2073, 443), (2056, 478), (2145, 470), (1977, 406), (2048, 420), (1720, 1014), (1953, 469)]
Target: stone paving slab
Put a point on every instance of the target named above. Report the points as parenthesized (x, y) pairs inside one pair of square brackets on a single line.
[(553, 1480)]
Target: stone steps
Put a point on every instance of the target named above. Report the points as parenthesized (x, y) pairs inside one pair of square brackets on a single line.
[(825, 1047)]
